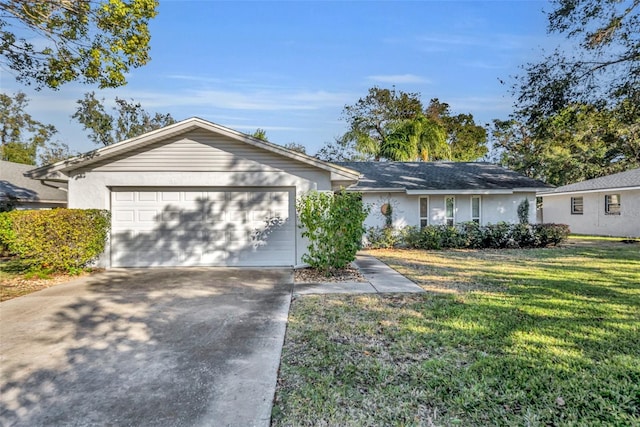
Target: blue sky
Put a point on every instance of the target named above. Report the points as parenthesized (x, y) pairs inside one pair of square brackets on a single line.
[(290, 67)]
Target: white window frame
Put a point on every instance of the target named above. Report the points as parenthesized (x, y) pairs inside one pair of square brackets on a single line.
[(420, 216), (453, 211), (608, 204), (575, 211), (476, 219)]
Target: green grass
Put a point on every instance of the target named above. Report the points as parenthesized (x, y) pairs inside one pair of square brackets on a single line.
[(513, 337)]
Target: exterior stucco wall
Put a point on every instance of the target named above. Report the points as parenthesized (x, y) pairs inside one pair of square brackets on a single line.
[(494, 208), (91, 189), (557, 209)]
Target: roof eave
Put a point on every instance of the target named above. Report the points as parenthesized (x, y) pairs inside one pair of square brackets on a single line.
[(461, 191), (593, 190), (49, 171), (376, 190)]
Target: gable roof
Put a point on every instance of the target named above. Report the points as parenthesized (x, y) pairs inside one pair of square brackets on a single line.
[(59, 171), (628, 180), (440, 177), (13, 184)]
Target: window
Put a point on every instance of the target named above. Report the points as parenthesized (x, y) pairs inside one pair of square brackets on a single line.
[(612, 204), (475, 209), (449, 209), (577, 206), (424, 211)]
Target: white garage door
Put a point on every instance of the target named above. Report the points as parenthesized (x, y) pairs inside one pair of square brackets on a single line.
[(203, 227)]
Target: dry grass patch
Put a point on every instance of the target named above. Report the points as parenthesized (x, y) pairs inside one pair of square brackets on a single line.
[(16, 280)]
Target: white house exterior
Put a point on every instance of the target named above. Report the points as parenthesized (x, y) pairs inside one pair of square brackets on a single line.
[(197, 194), (605, 206), (436, 193)]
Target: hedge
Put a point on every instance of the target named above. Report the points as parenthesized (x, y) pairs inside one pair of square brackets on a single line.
[(468, 235), (57, 239)]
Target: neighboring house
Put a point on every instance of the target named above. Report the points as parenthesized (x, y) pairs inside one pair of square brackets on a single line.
[(25, 193), (195, 193), (605, 206), (434, 193)]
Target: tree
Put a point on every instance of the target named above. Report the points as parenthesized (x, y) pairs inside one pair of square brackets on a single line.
[(602, 70), (341, 150), (294, 146), (130, 120), (21, 135), (392, 125), (418, 138), (86, 41), (261, 134), (467, 141), (577, 114), (373, 118), (580, 142), (54, 152)]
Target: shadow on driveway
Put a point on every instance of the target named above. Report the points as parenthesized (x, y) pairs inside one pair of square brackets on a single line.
[(155, 347)]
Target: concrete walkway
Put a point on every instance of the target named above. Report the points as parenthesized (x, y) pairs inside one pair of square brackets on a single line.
[(380, 279)]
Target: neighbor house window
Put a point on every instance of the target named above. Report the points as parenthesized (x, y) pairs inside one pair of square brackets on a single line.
[(475, 209), (577, 206), (424, 212), (612, 204), (449, 209)]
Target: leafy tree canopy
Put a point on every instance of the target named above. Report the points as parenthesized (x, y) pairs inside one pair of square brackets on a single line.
[(577, 114), (580, 142), (465, 139), (21, 135), (393, 125), (341, 150), (294, 146), (130, 119), (603, 69), (86, 41)]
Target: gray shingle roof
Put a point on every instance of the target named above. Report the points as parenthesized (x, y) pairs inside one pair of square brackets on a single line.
[(439, 176), (630, 178), (14, 184)]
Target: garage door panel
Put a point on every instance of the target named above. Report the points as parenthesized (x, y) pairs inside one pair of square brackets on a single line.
[(146, 215), (170, 196), (147, 196), (202, 227), (124, 196)]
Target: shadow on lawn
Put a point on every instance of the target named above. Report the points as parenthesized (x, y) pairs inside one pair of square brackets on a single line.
[(590, 309)]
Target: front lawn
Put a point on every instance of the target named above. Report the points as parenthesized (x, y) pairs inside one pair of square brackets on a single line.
[(510, 337)]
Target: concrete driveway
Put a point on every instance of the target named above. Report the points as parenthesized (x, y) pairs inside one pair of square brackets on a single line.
[(145, 347)]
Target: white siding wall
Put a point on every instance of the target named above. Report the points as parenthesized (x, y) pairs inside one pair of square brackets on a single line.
[(494, 208), (557, 209)]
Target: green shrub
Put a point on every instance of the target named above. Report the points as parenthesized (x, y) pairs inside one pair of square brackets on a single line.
[(470, 235), (496, 236), (451, 237), (524, 235), (523, 211), (409, 236), (382, 237), (473, 233), (333, 223), (550, 234), (57, 239)]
